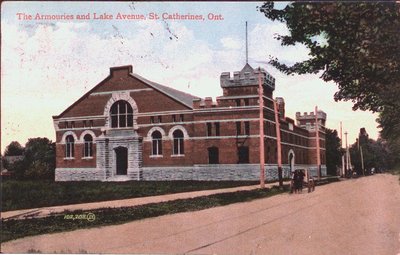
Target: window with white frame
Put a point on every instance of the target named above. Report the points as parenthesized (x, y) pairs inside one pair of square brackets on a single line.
[(88, 146), (121, 114), (69, 146), (178, 142), (156, 143)]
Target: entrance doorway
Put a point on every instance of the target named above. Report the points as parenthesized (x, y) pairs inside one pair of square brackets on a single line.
[(121, 154)]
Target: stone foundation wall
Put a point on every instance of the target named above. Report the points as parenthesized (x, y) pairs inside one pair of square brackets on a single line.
[(226, 172), (235, 172), (79, 174)]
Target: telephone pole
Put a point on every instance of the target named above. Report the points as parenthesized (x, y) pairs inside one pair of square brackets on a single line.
[(317, 143), (261, 120), (341, 150), (347, 154), (278, 144)]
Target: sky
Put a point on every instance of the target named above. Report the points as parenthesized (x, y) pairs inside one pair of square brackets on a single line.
[(47, 64)]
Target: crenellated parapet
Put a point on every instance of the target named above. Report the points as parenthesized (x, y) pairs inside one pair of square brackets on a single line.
[(207, 102), (307, 120), (247, 77)]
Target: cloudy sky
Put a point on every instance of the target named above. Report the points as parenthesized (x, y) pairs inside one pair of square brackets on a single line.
[(46, 65)]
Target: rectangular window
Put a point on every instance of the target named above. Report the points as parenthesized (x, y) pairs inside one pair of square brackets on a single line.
[(91, 123), (243, 154), (247, 128), (209, 129), (66, 124), (238, 128), (72, 124), (84, 123), (246, 102), (159, 119), (181, 118), (173, 118), (237, 102), (152, 119), (217, 133)]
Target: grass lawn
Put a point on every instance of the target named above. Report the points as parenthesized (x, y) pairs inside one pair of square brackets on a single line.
[(13, 229), (40, 193)]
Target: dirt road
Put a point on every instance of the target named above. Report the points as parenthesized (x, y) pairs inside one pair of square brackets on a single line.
[(358, 216)]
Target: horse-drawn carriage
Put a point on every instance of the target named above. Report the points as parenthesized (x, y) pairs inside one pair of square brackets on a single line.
[(301, 178)]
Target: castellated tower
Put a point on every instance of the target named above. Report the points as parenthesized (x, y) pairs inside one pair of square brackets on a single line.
[(247, 77), (241, 89), (307, 121)]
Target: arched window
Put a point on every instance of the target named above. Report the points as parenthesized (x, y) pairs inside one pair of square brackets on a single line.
[(69, 146), (121, 114), (88, 147), (156, 139), (178, 142)]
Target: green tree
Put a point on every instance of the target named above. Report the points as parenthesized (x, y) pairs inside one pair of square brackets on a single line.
[(39, 158), (354, 44), (38, 162), (376, 154), (14, 149), (333, 151)]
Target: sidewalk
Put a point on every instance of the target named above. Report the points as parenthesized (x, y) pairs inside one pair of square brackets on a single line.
[(45, 211)]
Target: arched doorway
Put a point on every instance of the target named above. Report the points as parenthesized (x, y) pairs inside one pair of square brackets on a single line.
[(121, 155)]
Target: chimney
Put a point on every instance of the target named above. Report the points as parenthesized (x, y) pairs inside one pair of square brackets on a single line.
[(208, 101)]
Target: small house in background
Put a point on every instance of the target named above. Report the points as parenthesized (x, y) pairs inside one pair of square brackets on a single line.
[(130, 128), (7, 161)]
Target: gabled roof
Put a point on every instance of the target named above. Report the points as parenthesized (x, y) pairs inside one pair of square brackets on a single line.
[(179, 96), (184, 98)]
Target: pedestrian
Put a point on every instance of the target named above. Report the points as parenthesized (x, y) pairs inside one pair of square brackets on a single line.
[(296, 181), (301, 180), (292, 182)]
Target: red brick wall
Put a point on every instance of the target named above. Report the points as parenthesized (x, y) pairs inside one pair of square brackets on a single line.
[(195, 149), (78, 160)]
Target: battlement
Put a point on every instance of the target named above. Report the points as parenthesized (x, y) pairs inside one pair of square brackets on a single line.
[(200, 103), (311, 115), (247, 77), (307, 120)]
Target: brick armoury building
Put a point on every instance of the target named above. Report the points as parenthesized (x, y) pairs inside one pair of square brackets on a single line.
[(130, 128)]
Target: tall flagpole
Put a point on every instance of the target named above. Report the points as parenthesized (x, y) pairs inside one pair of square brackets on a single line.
[(247, 47)]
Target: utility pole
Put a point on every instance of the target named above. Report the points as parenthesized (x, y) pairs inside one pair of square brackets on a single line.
[(317, 143), (278, 144), (261, 120), (341, 147), (347, 153), (362, 159)]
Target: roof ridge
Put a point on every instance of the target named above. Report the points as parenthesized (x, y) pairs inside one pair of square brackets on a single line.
[(168, 90)]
